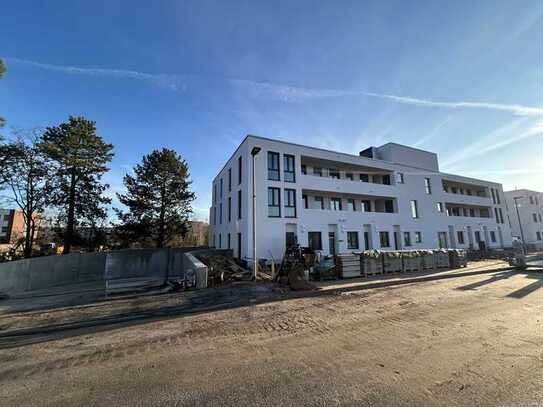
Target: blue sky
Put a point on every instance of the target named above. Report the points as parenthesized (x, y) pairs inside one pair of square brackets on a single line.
[(461, 78)]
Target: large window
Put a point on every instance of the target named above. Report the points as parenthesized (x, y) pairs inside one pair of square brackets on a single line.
[(351, 204), (352, 240), (428, 185), (318, 202), (220, 213), (364, 178), (386, 179), (290, 203), (314, 240), (335, 204), (460, 236), (384, 239), (304, 169), (274, 202), (239, 170), (538, 235), (535, 217), (304, 199), (221, 187), (290, 176), (418, 237), (407, 239), (333, 173), (229, 179), (229, 209), (493, 236), (273, 166), (366, 206), (239, 204), (414, 209), (317, 171), (389, 206), (400, 178), (440, 206)]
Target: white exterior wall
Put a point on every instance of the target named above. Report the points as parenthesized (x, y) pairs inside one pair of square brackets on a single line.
[(271, 231), (530, 203)]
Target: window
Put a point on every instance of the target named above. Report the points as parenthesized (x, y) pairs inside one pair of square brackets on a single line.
[(214, 215), (497, 215), (407, 239), (531, 200), (214, 196), (304, 199), (229, 179), (228, 242), (414, 210), (386, 179), (535, 217), (351, 205), (367, 241), (493, 196), (366, 206), (274, 202), (455, 211), (389, 206), (239, 204), (239, 170), (220, 241), (314, 240), (333, 173), (214, 240), (538, 234), (477, 236), (335, 204), (384, 239), (221, 187), (4, 229), (440, 206), (273, 166), (493, 236), (400, 178), (239, 246), (229, 210), (319, 203), (290, 203), (427, 186), (352, 240), (364, 178), (469, 192), (539, 216), (349, 176), (317, 171), (460, 236), (290, 239), (290, 176), (304, 169), (472, 212), (418, 237), (220, 213)]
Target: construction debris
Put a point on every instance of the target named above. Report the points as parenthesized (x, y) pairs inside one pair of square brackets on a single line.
[(222, 269)]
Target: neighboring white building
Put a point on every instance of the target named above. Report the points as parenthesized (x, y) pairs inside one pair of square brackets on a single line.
[(389, 197), (530, 211)]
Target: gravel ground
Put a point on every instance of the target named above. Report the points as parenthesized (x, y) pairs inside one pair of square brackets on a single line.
[(472, 340)]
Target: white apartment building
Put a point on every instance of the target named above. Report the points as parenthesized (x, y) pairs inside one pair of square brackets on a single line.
[(527, 206), (388, 197)]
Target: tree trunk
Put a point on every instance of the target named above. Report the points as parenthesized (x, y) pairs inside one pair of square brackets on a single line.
[(68, 237)]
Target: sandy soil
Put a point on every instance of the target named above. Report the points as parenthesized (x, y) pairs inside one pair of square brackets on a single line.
[(472, 340)]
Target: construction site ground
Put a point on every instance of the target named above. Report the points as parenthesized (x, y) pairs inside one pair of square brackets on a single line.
[(464, 337)]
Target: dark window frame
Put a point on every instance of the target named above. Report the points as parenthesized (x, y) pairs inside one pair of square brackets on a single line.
[(274, 159), (384, 239), (276, 203), (289, 174), (353, 245), (290, 195), (311, 240)]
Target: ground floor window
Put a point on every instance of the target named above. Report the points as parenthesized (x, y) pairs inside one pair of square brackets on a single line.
[(460, 236), (314, 240), (418, 237), (493, 236), (385, 239), (228, 243), (538, 235), (352, 240), (406, 239), (239, 246)]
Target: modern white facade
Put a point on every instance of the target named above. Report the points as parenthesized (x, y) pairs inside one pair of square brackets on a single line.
[(388, 197), (527, 206)]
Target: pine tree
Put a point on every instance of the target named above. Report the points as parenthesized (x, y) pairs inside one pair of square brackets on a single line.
[(80, 157), (158, 200)]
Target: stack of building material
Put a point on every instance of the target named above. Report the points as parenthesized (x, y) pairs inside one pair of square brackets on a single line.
[(458, 258), (372, 263), (133, 284), (441, 258), (348, 265), (428, 261), (392, 262), (412, 261)]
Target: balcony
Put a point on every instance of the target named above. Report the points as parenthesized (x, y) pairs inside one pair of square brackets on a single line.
[(345, 186), (464, 199)]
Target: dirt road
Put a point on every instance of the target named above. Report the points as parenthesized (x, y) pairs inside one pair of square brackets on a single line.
[(466, 341)]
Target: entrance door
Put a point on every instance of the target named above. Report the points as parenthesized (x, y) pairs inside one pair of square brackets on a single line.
[(290, 239), (332, 243)]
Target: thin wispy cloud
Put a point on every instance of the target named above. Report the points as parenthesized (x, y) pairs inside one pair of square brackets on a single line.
[(274, 91)]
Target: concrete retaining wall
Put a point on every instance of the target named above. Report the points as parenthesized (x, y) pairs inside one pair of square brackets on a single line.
[(52, 271)]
